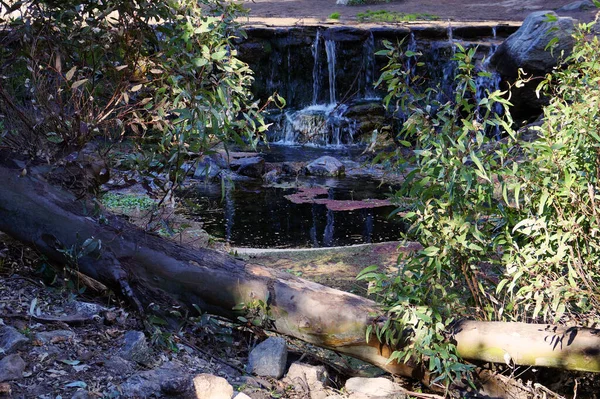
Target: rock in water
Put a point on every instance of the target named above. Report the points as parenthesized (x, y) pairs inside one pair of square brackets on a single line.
[(269, 358), (251, 167), (325, 166), (210, 386)]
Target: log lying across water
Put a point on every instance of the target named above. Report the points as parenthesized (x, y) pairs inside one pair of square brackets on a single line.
[(147, 268)]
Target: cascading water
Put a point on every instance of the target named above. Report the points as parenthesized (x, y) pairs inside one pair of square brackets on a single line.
[(488, 81), (316, 75), (321, 124), (331, 67), (369, 65)]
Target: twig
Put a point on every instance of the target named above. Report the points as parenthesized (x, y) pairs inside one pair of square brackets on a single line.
[(422, 395), (69, 319)]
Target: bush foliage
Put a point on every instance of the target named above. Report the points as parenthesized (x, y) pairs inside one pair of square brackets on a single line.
[(163, 74), (509, 229)]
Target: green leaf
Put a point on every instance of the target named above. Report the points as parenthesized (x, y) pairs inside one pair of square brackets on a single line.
[(366, 270)]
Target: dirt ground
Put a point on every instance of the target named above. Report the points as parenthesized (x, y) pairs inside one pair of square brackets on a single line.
[(307, 11)]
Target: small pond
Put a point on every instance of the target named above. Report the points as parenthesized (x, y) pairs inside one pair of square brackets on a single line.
[(251, 214)]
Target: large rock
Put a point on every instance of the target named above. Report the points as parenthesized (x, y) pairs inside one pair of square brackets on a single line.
[(208, 386), (251, 167), (325, 166), (269, 358), (11, 340), (526, 48), (374, 388), (11, 368), (581, 5)]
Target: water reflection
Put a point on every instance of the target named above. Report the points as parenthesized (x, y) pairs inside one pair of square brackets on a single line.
[(254, 216)]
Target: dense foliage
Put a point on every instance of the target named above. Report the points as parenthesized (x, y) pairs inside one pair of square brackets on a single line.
[(164, 74), (509, 229)]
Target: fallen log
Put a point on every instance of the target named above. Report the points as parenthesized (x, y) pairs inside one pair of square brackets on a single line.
[(147, 268)]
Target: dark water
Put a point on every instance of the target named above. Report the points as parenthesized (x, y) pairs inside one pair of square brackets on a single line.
[(249, 215), (302, 153)]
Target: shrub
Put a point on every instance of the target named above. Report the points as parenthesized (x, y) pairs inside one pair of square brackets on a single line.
[(509, 230)]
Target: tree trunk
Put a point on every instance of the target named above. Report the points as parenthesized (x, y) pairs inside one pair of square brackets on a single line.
[(147, 268)]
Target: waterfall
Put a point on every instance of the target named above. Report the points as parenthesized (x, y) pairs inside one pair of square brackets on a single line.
[(487, 82), (451, 37), (330, 50), (321, 125), (316, 75), (369, 65), (411, 65)]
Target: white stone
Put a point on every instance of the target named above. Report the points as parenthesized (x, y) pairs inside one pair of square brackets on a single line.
[(208, 386), (373, 388)]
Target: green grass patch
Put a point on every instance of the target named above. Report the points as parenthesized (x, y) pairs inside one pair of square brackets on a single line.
[(334, 15), (393, 16), (128, 201)]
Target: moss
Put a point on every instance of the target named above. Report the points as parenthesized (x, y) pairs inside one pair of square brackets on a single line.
[(128, 201), (393, 16)]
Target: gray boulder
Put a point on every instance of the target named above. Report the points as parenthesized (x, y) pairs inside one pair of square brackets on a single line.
[(325, 166), (268, 359), (577, 6), (10, 339), (526, 48), (11, 368)]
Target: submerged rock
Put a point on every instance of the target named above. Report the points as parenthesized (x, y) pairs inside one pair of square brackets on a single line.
[(325, 166), (269, 358)]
